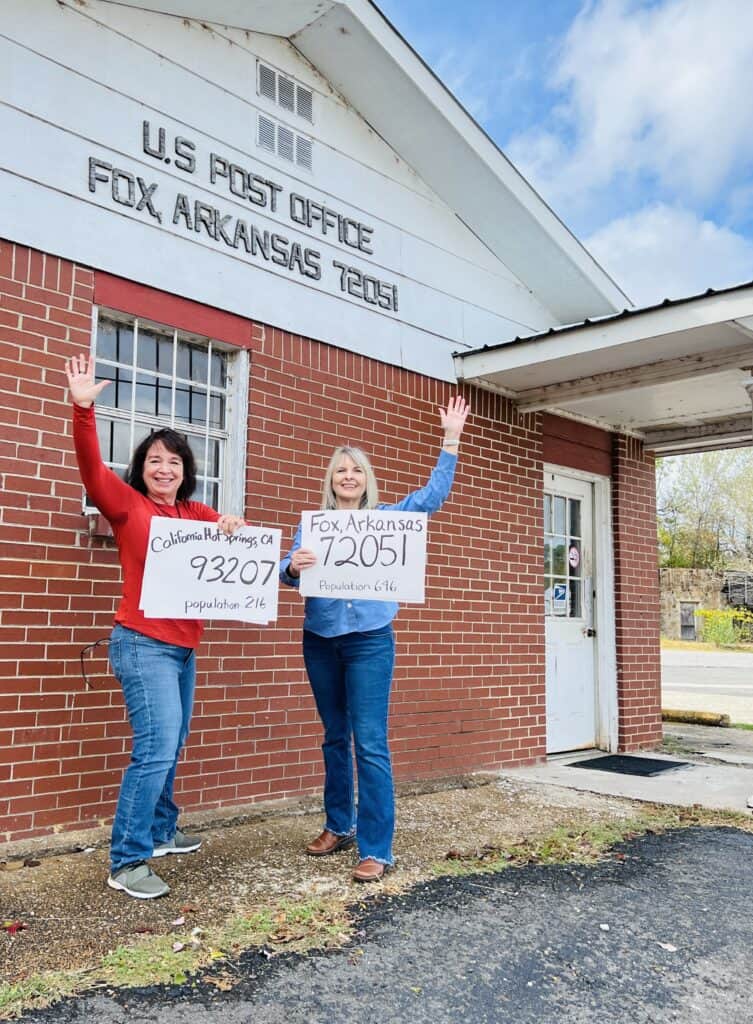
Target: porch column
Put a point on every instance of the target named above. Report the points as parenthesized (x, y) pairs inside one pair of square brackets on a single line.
[(636, 594)]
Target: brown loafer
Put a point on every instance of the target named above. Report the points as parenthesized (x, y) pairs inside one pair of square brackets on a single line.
[(370, 870), (328, 842)]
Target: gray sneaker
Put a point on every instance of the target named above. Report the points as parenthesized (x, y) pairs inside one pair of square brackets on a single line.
[(180, 843), (140, 881)]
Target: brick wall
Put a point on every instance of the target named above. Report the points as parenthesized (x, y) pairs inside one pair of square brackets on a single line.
[(576, 445), (636, 594), (469, 684)]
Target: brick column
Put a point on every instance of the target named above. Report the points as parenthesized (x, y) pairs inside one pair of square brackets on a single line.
[(636, 594)]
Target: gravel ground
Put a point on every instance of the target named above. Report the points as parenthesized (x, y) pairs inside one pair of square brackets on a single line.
[(72, 919)]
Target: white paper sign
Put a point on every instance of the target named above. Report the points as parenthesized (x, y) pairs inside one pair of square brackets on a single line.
[(194, 571), (368, 554)]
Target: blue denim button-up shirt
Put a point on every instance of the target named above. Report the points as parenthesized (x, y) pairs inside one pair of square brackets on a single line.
[(334, 616)]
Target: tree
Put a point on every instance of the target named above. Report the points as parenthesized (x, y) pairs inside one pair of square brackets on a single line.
[(705, 510)]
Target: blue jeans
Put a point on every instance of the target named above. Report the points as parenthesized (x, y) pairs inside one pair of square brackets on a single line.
[(351, 677), (158, 682)]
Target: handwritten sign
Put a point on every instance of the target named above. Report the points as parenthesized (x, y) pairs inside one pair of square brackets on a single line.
[(194, 571), (368, 554)]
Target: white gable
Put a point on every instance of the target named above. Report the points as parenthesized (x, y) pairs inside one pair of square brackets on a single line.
[(133, 142)]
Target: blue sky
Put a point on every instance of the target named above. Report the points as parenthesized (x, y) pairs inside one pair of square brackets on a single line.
[(632, 118)]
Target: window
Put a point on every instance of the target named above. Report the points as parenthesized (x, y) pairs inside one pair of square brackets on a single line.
[(563, 548), (162, 377)]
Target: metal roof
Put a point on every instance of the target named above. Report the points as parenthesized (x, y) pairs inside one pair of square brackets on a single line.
[(674, 374), (608, 318)]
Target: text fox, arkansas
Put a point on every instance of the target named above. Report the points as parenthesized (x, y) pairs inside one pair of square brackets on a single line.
[(365, 523)]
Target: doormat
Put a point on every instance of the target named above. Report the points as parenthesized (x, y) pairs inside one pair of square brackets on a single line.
[(627, 764)]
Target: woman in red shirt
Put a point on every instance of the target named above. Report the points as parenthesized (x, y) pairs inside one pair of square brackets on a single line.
[(153, 659)]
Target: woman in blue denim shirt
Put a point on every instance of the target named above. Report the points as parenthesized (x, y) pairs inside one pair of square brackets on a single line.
[(349, 651)]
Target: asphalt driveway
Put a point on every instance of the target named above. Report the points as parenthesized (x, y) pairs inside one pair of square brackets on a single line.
[(659, 932)]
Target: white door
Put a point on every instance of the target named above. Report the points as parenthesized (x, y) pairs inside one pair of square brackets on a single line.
[(571, 707)]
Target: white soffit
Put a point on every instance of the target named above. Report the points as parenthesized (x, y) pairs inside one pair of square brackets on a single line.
[(273, 17), (375, 70), (672, 374)]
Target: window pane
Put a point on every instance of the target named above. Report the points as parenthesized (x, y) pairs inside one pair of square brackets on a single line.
[(575, 603), (575, 518), (198, 406), (219, 369), (216, 411), (155, 351), (183, 360), (214, 458), (181, 402), (104, 433), (190, 404), (559, 560), (115, 341), (548, 542), (121, 439), (547, 513), (560, 505), (196, 445), (212, 495), (146, 394), (164, 397), (107, 341), (119, 394), (199, 365)]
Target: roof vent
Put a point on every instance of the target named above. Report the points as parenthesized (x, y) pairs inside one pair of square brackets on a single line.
[(285, 92), (284, 142)]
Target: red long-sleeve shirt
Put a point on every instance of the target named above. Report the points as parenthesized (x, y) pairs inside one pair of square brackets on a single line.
[(130, 513)]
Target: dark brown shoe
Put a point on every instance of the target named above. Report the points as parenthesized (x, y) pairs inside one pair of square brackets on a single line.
[(370, 870), (328, 842)]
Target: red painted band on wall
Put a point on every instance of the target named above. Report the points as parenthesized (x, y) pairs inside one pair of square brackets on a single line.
[(576, 445), (164, 308)]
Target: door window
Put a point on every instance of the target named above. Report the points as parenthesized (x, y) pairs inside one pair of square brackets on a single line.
[(563, 557)]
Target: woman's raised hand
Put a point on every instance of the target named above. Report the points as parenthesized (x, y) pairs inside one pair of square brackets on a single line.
[(454, 417), (80, 373)]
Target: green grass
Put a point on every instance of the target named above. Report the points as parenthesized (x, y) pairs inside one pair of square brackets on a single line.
[(699, 645), (299, 927), (584, 846), (742, 725)]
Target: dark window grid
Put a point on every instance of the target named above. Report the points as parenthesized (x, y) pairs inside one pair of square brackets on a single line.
[(206, 484), (214, 389), (202, 401), (144, 426), (152, 339)]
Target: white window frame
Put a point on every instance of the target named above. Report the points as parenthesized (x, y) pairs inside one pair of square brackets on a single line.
[(232, 475)]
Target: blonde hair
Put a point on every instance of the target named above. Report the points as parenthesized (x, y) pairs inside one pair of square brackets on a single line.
[(370, 497)]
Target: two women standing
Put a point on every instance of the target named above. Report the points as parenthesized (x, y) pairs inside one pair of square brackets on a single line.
[(348, 648)]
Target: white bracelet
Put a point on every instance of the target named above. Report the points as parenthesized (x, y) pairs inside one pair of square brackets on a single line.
[(453, 441)]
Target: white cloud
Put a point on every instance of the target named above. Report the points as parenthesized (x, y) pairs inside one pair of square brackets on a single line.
[(648, 90), (666, 252)]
